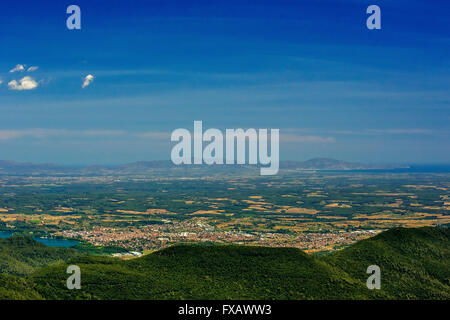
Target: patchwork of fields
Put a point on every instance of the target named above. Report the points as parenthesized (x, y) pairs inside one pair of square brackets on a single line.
[(314, 211)]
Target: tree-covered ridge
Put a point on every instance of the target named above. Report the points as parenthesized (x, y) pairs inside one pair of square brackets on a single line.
[(22, 255), (414, 265)]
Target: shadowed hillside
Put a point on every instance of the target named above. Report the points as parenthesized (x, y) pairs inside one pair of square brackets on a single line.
[(22, 255), (414, 265)]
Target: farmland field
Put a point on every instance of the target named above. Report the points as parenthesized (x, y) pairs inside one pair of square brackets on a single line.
[(310, 210)]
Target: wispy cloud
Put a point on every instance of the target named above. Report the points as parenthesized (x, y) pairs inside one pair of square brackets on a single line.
[(26, 83), (401, 131), (32, 68), (153, 135), (41, 133), (389, 131), (293, 138), (87, 80), (284, 137), (17, 68), (46, 133), (370, 132)]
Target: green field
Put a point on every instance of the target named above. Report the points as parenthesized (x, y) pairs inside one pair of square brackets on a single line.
[(150, 212)]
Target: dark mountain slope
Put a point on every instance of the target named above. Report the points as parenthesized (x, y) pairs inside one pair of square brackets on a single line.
[(204, 272), (415, 264), (16, 288), (21, 255)]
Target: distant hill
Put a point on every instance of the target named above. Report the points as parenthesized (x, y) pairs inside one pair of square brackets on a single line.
[(312, 164), (332, 164), (153, 167), (12, 167), (414, 265)]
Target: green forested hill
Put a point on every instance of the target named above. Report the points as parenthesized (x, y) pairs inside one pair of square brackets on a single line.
[(22, 255), (17, 288), (204, 272), (415, 264)]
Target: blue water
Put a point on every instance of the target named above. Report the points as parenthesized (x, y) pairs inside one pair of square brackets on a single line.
[(62, 243), (5, 234)]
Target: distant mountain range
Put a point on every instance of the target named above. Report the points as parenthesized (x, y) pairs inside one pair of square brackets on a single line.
[(333, 164), (145, 167)]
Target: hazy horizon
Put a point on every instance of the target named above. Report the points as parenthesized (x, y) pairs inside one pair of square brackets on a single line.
[(74, 164)]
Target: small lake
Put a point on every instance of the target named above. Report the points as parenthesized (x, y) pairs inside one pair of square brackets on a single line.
[(63, 243), (5, 234), (49, 242)]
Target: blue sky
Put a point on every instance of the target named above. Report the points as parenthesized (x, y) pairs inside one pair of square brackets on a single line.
[(310, 68)]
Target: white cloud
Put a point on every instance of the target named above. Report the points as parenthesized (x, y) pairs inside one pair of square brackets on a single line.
[(400, 131), (154, 135), (374, 132), (1, 81), (305, 139), (32, 68), (47, 133), (41, 133), (26, 83), (87, 80), (97, 133), (19, 67)]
